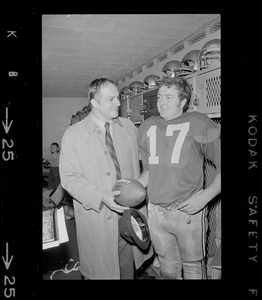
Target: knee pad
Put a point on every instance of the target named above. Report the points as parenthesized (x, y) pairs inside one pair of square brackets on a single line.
[(193, 270)]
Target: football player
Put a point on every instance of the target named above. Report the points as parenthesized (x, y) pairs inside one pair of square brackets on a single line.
[(173, 148)]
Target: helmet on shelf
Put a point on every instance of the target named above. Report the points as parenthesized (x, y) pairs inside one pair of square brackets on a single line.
[(124, 92), (151, 81), (136, 87), (190, 61), (209, 53), (86, 110), (79, 115), (172, 68)]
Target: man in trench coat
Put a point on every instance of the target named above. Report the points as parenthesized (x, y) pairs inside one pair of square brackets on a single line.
[(88, 173)]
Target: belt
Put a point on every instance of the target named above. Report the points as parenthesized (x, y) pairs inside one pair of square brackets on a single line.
[(170, 207), (174, 205)]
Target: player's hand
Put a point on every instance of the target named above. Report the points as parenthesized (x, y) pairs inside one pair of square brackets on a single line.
[(109, 201), (193, 204)]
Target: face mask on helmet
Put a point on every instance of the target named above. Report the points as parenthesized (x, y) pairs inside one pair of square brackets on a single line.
[(151, 81), (136, 87), (172, 68), (209, 54), (190, 61), (124, 92)]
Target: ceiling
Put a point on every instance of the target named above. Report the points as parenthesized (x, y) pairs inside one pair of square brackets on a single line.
[(76, 49)]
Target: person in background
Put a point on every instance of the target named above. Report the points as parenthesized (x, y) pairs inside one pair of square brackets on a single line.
[(173, 147), (52, 163), (88, 173), (73, 120)]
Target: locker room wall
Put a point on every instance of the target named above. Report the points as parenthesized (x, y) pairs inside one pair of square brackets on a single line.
[(157, 68), (57, 113), (53, 127)]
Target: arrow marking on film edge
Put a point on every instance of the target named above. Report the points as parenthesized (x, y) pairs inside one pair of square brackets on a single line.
[(6, 261), (5, 124)]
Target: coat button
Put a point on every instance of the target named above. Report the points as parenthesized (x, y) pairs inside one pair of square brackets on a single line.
[(109, 218), (108, 173), (99, 131)]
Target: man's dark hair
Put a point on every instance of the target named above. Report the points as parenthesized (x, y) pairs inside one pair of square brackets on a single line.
[(96, 85), (182, 86), (55, 144)]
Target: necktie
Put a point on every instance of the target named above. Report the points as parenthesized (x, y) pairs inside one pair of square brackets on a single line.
[(111, 149)]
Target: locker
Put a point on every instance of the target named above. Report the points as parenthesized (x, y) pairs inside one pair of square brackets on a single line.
[(150, 103), (214, 236), (123, 109), (207, 88), (135, 108), (206, 96)]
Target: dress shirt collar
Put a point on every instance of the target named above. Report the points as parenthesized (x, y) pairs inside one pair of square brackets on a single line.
[(93, 122)]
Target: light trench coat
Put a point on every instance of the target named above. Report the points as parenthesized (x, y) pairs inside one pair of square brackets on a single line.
[(87, 171)]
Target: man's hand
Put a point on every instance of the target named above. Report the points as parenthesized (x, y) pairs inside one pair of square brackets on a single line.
[(193, 204), (109, 201), (199, 200)]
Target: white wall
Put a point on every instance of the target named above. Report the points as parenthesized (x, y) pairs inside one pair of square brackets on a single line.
[(57, 114), (157, 68)]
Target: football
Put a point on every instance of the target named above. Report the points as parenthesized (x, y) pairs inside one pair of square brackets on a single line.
[(132, 193)]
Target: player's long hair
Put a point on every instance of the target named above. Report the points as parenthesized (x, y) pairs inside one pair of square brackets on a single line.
[(182, 86)]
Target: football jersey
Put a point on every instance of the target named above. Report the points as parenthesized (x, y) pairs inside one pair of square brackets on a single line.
[(173, 151)]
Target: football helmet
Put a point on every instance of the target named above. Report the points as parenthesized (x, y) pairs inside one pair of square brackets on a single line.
[(134, 228), (151, 81), (190, 61), (124, 92), (209, 54), (86, 110), (79, 115), (136, 87), (172, 68)]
